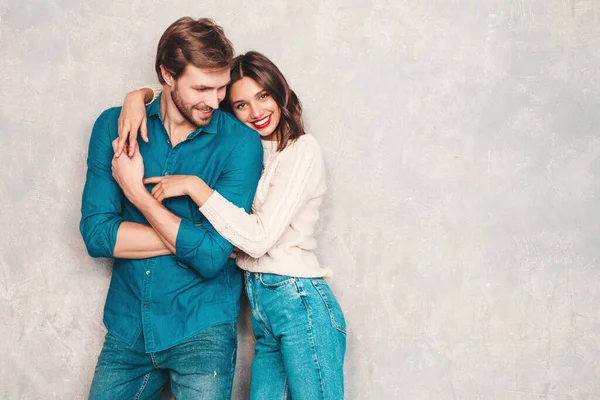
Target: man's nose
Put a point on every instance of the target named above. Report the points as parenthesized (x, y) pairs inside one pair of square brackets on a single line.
[(213, 100)]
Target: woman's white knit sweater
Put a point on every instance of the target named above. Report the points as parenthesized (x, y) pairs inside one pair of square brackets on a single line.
[(278, 237)]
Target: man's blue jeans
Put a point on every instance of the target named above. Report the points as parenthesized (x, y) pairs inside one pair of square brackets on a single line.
[(300, 338), (201, 367)]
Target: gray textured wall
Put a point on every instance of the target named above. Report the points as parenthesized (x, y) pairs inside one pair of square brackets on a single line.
[(461, 140)]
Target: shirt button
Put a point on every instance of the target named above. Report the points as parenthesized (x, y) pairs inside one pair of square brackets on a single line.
[(147, 272), (166, 173), (145, 305)]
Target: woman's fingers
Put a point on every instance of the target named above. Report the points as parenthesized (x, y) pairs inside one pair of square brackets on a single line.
[(153, 179), (144, 130), (121, 144)]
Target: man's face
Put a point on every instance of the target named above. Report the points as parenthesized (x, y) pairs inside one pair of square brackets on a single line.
[(198, 92)]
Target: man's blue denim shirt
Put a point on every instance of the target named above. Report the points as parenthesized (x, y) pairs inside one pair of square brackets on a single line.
[(171, 298)]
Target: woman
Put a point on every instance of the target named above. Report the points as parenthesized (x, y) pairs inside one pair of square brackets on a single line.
[(298, 324)]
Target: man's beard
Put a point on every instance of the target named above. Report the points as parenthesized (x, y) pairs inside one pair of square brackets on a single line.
[(188, 113)]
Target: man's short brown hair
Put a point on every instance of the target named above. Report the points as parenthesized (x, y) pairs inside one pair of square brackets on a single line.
[(201, 43)]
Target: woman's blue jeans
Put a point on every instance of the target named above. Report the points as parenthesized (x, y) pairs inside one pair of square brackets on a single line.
[(300, 336)]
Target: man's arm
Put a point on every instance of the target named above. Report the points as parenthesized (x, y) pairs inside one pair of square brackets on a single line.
[(102, 226), (135, 241), (199, 247)]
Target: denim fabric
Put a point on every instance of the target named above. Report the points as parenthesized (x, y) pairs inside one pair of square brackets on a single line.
[(300, 335), (201, 367)]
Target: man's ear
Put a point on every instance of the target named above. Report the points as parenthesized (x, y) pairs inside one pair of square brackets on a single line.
[(169, 80)]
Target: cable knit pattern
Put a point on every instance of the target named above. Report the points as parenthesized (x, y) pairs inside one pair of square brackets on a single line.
[(278, 237)]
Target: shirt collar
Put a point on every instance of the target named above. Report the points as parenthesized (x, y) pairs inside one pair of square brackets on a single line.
[(154, 110), (154, 107)]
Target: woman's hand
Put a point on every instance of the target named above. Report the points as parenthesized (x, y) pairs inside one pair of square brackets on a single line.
[(234, 253), (132, 119), (173, 186)]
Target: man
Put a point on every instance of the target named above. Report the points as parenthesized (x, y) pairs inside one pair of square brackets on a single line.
[(173, 301)]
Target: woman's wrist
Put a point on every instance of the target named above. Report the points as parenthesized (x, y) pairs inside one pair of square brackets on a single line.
[(148, 95), (199, 191), (144, 94)]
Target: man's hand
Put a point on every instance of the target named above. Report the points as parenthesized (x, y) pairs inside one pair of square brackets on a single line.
[(129, 172)]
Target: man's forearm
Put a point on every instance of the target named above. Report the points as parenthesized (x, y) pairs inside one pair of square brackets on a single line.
[(164, 223), (136, 241)]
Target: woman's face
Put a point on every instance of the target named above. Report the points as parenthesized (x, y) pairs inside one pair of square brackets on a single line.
[(256, 108)]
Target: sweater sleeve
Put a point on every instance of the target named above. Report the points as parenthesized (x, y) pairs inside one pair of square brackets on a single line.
[(294, 181)]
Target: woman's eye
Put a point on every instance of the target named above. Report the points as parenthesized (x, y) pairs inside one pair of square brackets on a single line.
[(263, 96), (240, 106)]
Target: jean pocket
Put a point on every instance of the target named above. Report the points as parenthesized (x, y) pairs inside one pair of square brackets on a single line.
[(333, 307), (274, 281)]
